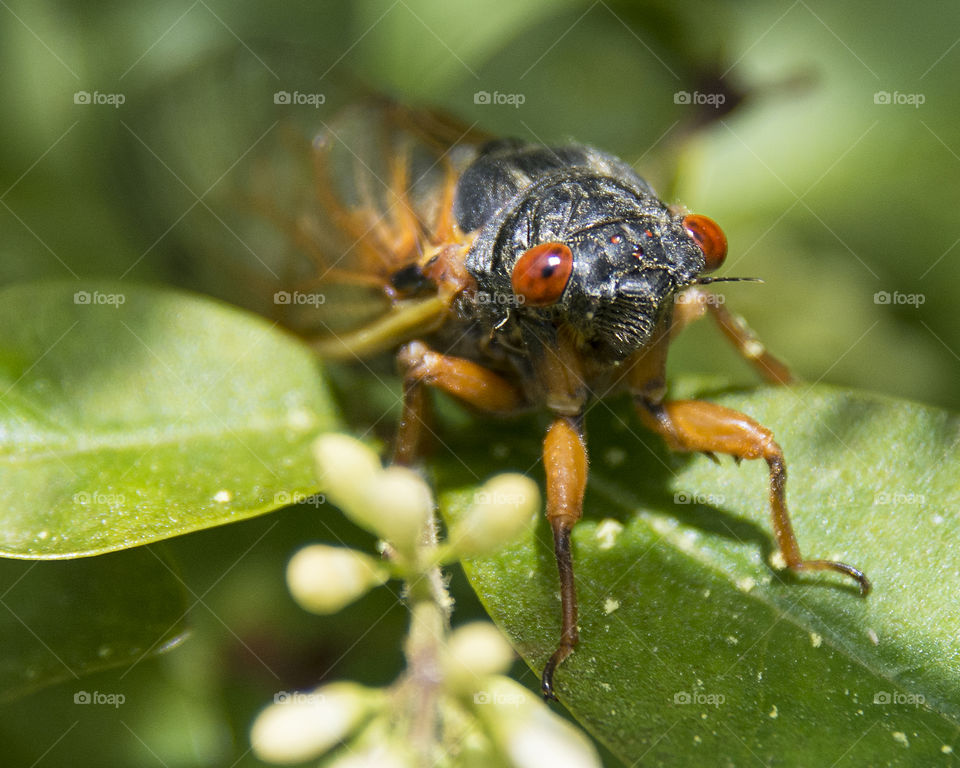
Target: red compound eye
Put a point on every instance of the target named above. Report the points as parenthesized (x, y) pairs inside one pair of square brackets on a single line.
[(708, 235), (541, 274)]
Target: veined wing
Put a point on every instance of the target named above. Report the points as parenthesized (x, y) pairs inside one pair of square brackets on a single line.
[(353, 210)]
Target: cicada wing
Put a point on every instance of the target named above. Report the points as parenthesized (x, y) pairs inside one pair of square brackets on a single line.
[(370, 193)]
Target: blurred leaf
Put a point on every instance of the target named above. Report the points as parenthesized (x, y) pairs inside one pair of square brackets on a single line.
[(66, 620), (132, 415), (693, 649)]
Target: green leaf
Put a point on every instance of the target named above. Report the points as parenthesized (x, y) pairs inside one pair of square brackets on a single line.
[(63, 620), (130, 415), (693, 649)]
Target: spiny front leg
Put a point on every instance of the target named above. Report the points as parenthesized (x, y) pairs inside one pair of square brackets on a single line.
[(694, 425), (565, 460)]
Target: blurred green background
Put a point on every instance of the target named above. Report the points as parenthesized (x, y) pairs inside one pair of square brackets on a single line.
[(831, 162)]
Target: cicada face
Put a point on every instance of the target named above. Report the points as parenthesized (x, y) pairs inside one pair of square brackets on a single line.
[(591, 248)]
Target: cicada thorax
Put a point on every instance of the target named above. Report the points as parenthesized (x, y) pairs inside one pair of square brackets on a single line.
[(575, 260)]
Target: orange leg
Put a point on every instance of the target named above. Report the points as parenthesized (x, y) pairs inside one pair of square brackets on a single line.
[(565, 459), (693, 303), (749, 346), (564, 456), (693, 425), (470, 382)]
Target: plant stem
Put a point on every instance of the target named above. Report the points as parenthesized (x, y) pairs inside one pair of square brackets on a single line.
[(430, 608)]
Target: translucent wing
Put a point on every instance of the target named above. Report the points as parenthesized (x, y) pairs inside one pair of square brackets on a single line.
[(369, 197)]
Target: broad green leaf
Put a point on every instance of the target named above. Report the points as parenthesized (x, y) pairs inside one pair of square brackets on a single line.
[(693, 649), (64, 620), (130, 414)]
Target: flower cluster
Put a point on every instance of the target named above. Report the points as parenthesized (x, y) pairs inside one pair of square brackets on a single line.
[(453, 705)]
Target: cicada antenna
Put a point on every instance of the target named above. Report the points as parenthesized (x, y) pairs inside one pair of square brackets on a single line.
[(708, 280)]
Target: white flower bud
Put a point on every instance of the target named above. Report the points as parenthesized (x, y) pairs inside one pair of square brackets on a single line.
[(396, 506), (374, 756), (528, 732), (324, 579), (303, 726), (394, 503), (474, 748), (502, 510), (547, 739), (345, 467), (474, 652)]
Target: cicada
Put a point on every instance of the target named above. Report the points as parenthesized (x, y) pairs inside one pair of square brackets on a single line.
[(514, 276)]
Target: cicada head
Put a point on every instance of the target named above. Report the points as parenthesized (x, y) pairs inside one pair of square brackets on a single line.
[(599, 254)]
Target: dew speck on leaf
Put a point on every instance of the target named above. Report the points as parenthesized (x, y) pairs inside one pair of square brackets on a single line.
[(607, 532)]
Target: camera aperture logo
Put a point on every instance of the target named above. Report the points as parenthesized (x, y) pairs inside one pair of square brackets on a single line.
[(286, 499), (515, 100), (298, 99), (96, 497), (884, 698), (501, 299), (699, 698), (97, 697), (109, 99), (499, 699), (699, 297), (95, 297), (703, 499), (499, 499), (298, 298), (899, 99), (698, 99), (898, 498), (298, 697), (912, 299)]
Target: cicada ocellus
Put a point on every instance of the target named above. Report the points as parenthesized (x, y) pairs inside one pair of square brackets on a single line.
[(515, 276)]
